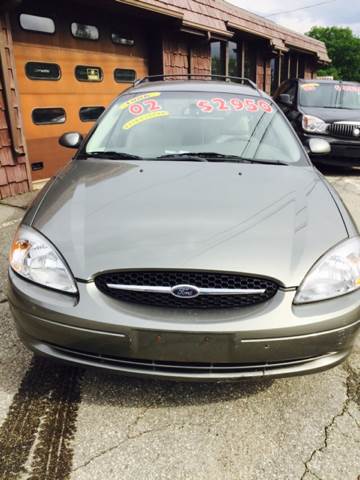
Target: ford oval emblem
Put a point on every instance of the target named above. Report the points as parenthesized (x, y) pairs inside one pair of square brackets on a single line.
[(185, 291)]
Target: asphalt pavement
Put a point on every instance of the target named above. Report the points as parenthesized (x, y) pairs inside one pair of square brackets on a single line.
[(60, 422)]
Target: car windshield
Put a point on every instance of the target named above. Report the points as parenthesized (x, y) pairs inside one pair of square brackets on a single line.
[(174, 124), (330, 95)]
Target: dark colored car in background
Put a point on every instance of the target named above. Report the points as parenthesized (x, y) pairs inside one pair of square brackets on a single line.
[(328, 109)]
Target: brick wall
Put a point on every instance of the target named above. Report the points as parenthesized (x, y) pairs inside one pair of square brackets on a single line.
[(263, 72), (14, 168), (260, 71)]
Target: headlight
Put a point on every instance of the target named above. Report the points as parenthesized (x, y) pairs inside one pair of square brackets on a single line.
[(313, 124), (33, 257), (334, 274)]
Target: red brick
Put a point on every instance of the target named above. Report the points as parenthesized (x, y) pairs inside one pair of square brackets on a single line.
[(5, 191), (21, 159), (6, 156), (3, 176), (3, 122), (24, 187), (4, 138), (14, 189), (19, 188), (10, 173), (21, 174), (16, 173)]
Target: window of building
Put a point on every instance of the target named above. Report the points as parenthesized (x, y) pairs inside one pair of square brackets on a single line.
[(250, 62), (85, 32), (90, 114), (36, 23), (123, 75), (285, 70), (218, 58), (301, 72), (42, 71), (120, 39), (48, 116), (86, 73), (274, 69), (294, 66), (233, 59), (264, 75)]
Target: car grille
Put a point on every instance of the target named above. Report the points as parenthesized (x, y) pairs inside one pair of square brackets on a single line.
[(344, 130), (124, 287)]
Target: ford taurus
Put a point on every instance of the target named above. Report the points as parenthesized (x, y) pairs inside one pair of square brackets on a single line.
[(190, 238)]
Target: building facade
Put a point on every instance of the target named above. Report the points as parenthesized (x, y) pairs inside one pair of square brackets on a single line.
[(63, 62)]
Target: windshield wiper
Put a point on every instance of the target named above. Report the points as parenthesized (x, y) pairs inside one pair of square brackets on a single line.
[(222, 157), (268, 162), (199, 156), (185, 157), (112, 155), (216, 157)]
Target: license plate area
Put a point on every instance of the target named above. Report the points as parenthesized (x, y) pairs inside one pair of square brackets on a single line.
[(183, 347)]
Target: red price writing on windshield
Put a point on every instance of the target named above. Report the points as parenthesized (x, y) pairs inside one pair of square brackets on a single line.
[(247, 104)]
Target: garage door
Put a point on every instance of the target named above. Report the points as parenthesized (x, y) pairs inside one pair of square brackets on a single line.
[(69, 68)]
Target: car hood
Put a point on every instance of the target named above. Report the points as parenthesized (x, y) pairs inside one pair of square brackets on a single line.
[(330, 115), (266, 220)]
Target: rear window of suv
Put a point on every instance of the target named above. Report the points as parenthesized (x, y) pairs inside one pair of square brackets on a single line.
[(330, 95), (153, 124)]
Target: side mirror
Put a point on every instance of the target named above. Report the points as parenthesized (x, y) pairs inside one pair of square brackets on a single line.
[(71, 140), (285, 99), (319, 146)]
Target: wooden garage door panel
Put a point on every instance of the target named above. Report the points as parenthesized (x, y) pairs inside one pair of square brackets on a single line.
[(68, 62), (68, 92), (70, 103), (42, 140), (45, 150)]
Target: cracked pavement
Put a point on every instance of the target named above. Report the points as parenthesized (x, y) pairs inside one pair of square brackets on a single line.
[(301, 428)]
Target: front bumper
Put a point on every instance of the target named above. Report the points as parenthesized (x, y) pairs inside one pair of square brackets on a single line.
[(271, 339), (343, 151)]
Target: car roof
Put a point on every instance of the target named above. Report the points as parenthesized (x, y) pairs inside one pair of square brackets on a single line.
[(211, 86)]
